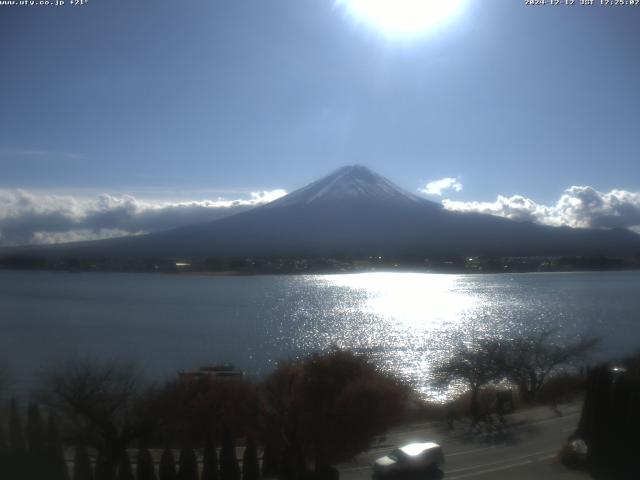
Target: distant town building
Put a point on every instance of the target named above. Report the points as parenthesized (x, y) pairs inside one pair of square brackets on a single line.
[(214, 372)]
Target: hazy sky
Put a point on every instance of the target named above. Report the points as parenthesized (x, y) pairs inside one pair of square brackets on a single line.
[(201, 99)]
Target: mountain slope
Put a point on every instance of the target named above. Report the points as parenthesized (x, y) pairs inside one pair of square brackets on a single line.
[(346, 184), (355, 211)]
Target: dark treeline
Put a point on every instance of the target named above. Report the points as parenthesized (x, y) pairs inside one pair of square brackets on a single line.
[(114, 426), (338, 262), (294, 424), (610, 420), (34, 450)]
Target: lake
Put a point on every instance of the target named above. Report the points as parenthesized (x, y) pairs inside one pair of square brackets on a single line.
[(405, 320)]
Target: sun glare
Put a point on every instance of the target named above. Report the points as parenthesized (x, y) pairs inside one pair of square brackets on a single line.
[(403, 17), (410, 300)]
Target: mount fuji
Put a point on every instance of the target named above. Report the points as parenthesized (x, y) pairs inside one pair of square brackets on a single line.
[(356, 212)]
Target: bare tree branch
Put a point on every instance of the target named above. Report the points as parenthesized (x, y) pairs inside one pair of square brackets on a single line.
[(538, 355), (475, 365), (105, 403)]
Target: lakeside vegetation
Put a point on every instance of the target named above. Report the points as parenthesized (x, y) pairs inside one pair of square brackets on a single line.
[(295, 423)]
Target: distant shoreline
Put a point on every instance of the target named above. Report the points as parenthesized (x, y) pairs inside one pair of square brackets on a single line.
[(320, 264), (337, 271)]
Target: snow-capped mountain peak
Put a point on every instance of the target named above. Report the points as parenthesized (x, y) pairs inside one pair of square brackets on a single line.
[(347, 183)]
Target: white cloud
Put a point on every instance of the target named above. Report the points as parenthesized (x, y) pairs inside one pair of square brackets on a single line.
[(36, 218), (578, 207), (437, 187), (515, 207), (80, 235)]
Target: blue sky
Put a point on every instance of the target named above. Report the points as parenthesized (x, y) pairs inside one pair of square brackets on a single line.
[(218, 98)]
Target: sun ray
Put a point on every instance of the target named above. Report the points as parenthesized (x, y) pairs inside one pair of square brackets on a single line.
[(402, 17)]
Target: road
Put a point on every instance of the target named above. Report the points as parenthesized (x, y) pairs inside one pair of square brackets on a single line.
[(525, 449)]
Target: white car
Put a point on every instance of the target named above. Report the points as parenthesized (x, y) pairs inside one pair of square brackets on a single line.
[(411, 458)]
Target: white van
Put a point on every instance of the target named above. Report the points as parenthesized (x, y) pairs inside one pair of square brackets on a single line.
[(411, 458)]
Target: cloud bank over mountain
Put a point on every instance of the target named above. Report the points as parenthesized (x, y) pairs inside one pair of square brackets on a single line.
[(38, 218), (35, 218), (578, 207)]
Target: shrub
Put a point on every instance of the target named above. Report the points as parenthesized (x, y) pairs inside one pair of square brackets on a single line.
[(4, 451), (56, 464), (327, 408), (104, 469), (16, 438), (144, 468), (188, 465), (35, 434), (37, 463), (82, 465), (125, 471), (250, 467), (198, 405), (229, 469), (561, 388), (210, 460), (167, 469), (421, 410), (574, 455), (270, 463), (16, 449)]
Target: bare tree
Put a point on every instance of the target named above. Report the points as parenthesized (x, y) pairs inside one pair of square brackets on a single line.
[(197, 406), (104, 404), (475, 365), (530, 360)]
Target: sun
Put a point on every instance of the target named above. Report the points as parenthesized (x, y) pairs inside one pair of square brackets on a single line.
[(403, 17)]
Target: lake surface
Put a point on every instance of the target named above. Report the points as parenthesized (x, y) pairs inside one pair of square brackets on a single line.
[(406, 320)]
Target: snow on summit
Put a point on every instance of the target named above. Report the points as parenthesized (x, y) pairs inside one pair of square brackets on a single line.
[(347, 183)]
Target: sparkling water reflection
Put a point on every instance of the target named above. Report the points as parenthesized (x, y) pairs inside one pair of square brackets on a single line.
[(415, 319), (409, 321), (406, 321)]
